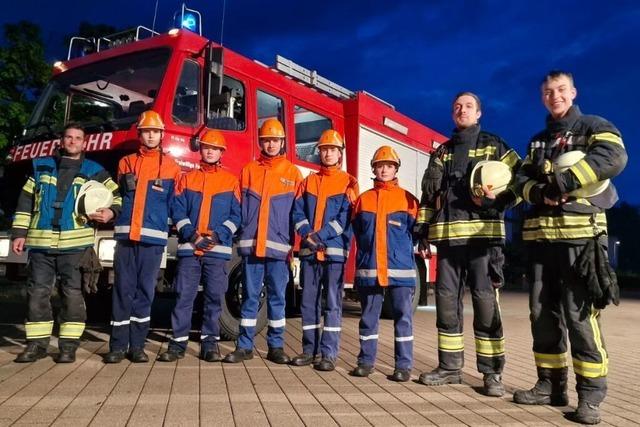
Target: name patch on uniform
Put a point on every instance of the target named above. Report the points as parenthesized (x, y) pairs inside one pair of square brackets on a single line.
[(397, 223), (287, 182), (156, 188)]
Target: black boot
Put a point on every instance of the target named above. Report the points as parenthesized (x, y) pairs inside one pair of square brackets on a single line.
[(171, 355), (211, 354), (303, 359), (551, 389), (401, 375), (362, 370), (114, 356), (587, 413), (277, 355), (238, 355), (493, 385), (33, 352), (66, 355), (137, 355), (441, 376), (325, 365)]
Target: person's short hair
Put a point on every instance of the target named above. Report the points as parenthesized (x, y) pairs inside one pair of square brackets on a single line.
[(73, 125), (471, 94), (554, 74)]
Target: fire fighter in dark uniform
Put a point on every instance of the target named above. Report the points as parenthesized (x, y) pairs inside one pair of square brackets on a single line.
[(469, 233), (206, 211), (322, 217), (559, 227)]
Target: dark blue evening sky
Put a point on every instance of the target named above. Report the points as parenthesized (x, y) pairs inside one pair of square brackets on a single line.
[(418, 54)]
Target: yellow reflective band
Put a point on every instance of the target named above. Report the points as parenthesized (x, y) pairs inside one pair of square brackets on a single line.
[(37, 330), (527, 189), (48, 179), (552, 361), (71, 330), (482, 152), (79, 180), (589, 369), (606, 136), (29, 186), (467, 229), (510, 158), (422, 216), (584, 172), (66, 239), (562, 227), (597, 338), (21, 220), (447, 157), (490, 347), (450, 342)]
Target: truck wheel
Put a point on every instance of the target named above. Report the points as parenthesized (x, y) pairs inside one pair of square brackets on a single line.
[(230, 317), (387, 310)]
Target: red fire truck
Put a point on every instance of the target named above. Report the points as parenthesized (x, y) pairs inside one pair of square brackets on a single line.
[(196, 84)]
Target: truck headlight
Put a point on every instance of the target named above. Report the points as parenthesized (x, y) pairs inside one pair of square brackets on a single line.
[(106, 249), (5, 245)]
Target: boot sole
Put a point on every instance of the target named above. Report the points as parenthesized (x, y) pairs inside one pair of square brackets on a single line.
[(16, 360), (444, 381), (550, 402)]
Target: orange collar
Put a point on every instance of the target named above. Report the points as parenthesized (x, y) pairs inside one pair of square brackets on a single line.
[(208, 167), (388, 185), (271, 161), (147, 152), (329, 170)]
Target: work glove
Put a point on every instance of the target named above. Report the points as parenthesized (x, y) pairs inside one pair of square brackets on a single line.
[(314, 242), (90, 268), (424, 248)]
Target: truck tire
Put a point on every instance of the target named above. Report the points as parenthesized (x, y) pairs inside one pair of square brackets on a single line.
[(230, 317), (387, 311)]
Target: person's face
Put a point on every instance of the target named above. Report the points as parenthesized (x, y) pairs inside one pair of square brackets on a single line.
[(385, 171), (465, 112), (330, 156), (151, 138), (558, 95), (210, 154), (271, 146), (73, 142)]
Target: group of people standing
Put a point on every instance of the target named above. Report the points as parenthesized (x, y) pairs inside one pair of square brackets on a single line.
[(271, 201)]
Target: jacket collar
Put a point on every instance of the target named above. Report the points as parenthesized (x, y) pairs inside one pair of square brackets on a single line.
[(388, 185), (565, 123)]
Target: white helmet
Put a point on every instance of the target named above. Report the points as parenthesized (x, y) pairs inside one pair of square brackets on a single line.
[(492, 173), (565, 161), (93, 195)]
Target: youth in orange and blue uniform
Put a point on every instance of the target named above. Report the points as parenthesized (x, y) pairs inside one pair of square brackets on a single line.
[(141, 232), (323, 209), (207, 204), (268, 186), (383, 221)]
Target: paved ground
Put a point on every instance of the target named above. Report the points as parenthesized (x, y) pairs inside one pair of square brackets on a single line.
[(259, 393)]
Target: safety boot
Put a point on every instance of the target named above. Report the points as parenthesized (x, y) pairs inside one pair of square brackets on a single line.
[(493, 385), (66, 355), (33, 352), (362, 370), (303, 359), (171, 355), (587, 413), (211, 354), (137, 355), (238, 355), (441, 376), (550, 389), (114, 356), (325, 365), (277, 355), (401, 375)]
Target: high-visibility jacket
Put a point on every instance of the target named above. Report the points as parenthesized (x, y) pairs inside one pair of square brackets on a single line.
[(207, 200), (579, 219), (323, 205), (383, 220), (145, 209), (268, 186), (452, 217), (37, 204)]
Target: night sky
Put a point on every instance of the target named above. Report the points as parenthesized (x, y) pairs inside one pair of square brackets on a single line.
[(418, 54)]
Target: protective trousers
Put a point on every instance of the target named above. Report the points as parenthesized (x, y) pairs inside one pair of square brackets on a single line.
[(274, 273), (321, 280), (371, 298), (559, 303), (136, 267), (43, 269), (216, 280), (457, 266)]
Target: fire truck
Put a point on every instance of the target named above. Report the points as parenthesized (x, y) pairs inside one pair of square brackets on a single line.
[(196, 84)]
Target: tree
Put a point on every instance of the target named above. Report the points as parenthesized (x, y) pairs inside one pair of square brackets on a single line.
[(23, 74)]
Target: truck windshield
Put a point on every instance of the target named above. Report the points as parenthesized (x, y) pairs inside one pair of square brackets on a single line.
[(103, 96)]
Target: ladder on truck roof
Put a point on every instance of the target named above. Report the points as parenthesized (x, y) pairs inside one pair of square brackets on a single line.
[(312, 78)]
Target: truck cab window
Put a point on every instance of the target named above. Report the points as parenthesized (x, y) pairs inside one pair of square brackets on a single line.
[(185, 102), (227, 110), (309, 127), (269, 107)]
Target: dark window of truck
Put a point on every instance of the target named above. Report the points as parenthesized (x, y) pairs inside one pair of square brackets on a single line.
[(227, 110), (309, 127), (269, 107), (185, 101)]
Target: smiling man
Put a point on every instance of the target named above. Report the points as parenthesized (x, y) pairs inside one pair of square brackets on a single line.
[(566, 216)]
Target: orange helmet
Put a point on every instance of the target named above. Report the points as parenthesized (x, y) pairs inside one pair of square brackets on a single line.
[(385, 154), (213, 138), (331, 138), (271, 128), (150, 120)]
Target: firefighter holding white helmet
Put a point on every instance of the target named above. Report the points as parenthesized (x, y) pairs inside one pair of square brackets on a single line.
[(268, 186), (383, 221), (147, 180), (322, 216), (57, 236), (465, 190), (565, 177)]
